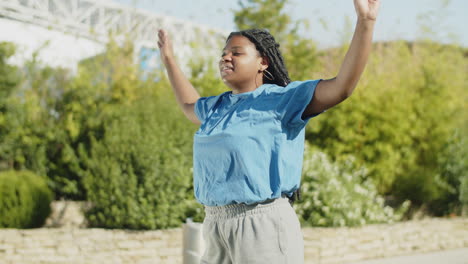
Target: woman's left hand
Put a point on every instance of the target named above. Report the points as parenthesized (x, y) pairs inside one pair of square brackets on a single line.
[(367, 9)]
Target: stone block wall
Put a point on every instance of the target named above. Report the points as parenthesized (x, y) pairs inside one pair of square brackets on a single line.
[(93, 246), (65, 240)]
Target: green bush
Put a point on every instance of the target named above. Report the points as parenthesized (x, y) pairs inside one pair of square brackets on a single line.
[(24, 200), (338, 194), (139, 174)]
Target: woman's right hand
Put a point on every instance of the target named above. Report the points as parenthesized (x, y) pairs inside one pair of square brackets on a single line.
[(165, 46), (186, 95)]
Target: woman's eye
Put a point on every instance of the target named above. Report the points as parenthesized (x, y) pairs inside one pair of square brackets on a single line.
[(233, 54)]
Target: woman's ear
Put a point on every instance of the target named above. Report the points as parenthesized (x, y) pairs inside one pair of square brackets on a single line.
[(264, 63)]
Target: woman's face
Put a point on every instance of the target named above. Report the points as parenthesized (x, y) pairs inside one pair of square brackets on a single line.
[(240, 63)]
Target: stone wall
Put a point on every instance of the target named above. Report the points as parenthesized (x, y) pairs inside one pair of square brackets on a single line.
[(65, 242), (72, 245)]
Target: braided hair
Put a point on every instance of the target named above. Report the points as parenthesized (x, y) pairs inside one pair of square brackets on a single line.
[(267, 46)]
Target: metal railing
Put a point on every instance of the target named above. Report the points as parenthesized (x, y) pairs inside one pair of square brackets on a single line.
[(96, 19)]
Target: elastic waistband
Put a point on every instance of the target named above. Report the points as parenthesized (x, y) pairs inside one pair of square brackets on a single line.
[(240, 210)]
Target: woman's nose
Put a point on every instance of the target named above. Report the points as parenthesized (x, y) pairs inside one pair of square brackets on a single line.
[(226, 57)]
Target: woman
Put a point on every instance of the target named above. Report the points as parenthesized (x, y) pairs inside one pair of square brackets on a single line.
[(248, 151)]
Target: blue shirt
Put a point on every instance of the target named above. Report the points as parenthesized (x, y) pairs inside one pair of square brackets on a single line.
[(249, 147)]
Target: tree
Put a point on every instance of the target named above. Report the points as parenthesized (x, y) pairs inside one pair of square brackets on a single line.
[(9, 80), (24, 113)]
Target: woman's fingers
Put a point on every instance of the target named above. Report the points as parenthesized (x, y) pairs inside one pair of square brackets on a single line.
[(162, 34), (165, 45), (161, 38)]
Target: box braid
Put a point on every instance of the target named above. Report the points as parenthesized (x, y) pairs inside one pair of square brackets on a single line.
[(267, 46)]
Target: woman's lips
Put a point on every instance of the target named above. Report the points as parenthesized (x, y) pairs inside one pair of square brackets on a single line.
[(227, 69)]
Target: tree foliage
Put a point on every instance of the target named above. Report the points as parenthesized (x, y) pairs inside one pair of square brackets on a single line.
[(300, 53), (400, 119), (24, 117)]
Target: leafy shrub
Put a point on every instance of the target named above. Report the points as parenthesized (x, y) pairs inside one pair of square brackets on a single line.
[(24, 199), (139, 174), (338, 194)]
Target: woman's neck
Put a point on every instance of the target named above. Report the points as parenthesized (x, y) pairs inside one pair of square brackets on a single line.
[(237, 89)]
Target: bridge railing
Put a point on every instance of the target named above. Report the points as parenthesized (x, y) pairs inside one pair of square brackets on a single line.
[(96, 19)]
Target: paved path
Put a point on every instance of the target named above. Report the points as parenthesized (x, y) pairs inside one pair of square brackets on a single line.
[(455, 256)]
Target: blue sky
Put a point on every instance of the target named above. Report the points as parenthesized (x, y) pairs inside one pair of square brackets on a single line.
[(330, 19)]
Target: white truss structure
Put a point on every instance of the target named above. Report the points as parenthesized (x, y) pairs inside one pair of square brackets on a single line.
[(96, 19)]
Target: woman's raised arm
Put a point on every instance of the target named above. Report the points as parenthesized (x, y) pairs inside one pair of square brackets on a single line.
[(333, 91), (185, 93)]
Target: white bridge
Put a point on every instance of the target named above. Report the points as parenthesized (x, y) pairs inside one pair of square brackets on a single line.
[(85, 25)]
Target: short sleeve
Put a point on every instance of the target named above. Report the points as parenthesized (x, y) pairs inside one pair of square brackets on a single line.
[(203, 106), (295, 97)]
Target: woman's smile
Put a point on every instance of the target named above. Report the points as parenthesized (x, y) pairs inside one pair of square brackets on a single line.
[(226, 68)]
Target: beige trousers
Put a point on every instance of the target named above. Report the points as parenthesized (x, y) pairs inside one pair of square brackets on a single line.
[(268, 233)]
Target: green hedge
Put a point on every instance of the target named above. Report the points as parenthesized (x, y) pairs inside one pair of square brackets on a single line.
[(24, 200)]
